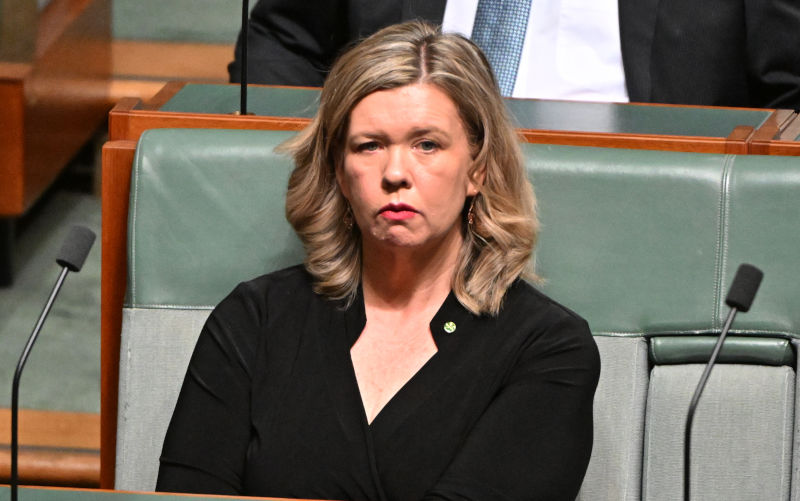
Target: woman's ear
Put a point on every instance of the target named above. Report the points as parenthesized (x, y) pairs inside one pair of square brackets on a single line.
[(476, 179)]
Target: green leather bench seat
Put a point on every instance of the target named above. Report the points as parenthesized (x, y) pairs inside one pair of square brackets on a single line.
[(643, 244)]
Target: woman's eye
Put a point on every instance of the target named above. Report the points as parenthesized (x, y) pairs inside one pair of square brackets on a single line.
[(427, 145), (368, 146)]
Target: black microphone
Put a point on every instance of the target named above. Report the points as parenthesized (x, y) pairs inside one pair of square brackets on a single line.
[(71, 258), (243, 57), (740, 298)]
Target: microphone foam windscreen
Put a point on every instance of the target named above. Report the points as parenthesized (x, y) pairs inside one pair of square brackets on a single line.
[(75, 248), (744, 287)]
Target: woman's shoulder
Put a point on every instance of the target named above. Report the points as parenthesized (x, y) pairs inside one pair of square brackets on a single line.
[(522, 298), (291, 277), (546, 321), (271, 291), (551, 332)]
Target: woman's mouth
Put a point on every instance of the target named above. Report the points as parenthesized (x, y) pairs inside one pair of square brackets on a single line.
[(397, 212)]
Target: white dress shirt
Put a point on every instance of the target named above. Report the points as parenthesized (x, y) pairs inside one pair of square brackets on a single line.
[(571, 51)]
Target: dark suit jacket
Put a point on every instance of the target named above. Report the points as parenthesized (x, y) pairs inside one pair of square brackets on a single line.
[(709, 52)]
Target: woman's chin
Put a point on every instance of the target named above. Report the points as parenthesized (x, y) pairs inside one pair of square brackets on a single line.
[(402, 239)]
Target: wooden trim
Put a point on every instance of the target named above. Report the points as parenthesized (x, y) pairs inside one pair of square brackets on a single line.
[(121, 88), (784, 148), (632, 141), (117, 159), (118, 118), (130, 125), (56, 447), (737, 142), (53, 466)]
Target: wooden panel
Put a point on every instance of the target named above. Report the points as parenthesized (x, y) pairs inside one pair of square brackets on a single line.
[(66, 93), (55, 102), (56, 448), (12, 159), (116, 182)]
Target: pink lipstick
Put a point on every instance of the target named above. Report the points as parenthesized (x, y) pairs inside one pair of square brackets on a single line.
[(397, 211)]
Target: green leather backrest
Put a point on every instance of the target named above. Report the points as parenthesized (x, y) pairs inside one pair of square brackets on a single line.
[(645, 242), (763, 226), (629, 237), (638, 242), (206, 212)]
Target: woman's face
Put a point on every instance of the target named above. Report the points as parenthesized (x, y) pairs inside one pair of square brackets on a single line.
[(406, 168)]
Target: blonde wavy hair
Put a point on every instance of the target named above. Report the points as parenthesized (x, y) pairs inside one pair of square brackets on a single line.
[(497, 247)]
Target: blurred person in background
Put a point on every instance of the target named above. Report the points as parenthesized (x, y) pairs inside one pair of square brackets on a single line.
[(714, 52)]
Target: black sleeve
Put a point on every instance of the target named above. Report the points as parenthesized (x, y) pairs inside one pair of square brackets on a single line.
[(206, 443), (773, 52), (292, 42), (535, 439)]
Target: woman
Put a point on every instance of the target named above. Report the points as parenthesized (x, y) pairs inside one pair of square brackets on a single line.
[(406, 359)]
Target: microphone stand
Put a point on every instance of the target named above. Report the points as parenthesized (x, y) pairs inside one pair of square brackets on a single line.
[(740, 298), (15, 385), (243, 55), (696, 398), (71, 258)]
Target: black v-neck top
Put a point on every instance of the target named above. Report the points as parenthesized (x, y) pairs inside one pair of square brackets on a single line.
[(270, 405)]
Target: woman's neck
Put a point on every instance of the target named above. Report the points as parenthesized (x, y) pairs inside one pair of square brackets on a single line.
[(408, 279)]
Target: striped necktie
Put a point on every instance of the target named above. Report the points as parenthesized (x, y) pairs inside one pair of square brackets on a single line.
[(499, 30)]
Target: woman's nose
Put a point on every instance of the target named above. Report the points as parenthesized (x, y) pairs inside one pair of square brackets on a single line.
[(396, 170)]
